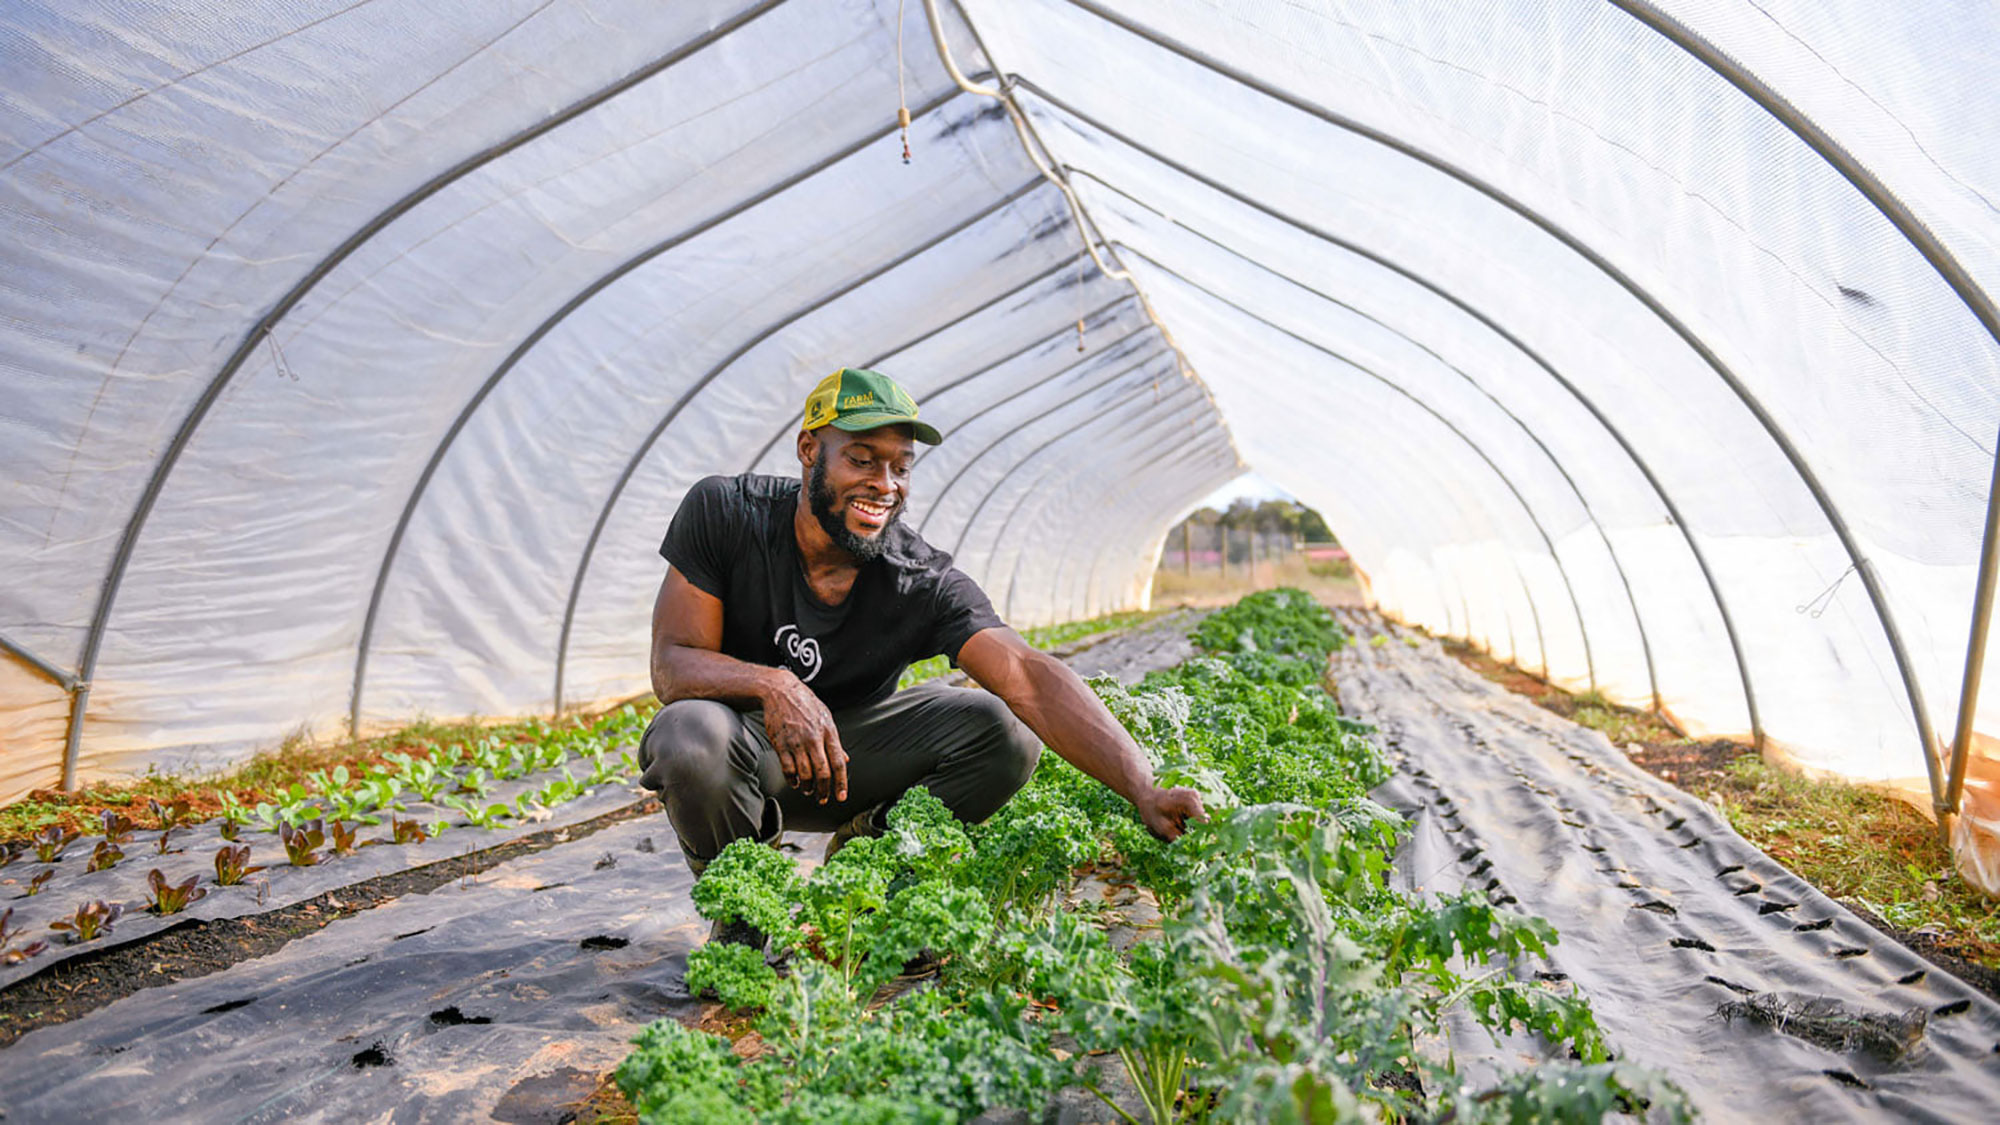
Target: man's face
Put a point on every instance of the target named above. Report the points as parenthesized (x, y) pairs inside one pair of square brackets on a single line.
[(859, 484)]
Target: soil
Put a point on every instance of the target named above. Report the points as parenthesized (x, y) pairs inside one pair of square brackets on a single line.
[(89, 981), (1702, 766)]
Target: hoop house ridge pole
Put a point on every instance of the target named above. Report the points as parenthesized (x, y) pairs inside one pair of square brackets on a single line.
[(1975, 645), (529, 342), (129, 538)]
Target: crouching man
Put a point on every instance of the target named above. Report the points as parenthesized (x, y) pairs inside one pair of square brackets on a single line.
[(788, 613)]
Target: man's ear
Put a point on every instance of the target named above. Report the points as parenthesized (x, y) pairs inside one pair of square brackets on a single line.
[(808, 449)]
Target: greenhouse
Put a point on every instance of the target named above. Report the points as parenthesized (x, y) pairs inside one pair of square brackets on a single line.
[(356, 356)]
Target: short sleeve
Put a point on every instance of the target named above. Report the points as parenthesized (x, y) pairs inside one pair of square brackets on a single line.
[(700, 536), (962, 609)]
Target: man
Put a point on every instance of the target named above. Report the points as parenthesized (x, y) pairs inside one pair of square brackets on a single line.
[(789, 613)]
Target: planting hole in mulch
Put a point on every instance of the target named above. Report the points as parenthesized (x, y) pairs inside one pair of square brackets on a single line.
[(452, 1017), (604, 941), (228, 1006), (375, 1054)]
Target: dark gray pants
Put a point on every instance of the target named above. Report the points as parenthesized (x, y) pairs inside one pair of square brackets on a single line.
[(715, 770)]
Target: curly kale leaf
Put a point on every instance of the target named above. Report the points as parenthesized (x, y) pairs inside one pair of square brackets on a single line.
[(754, 883), (737, 974)]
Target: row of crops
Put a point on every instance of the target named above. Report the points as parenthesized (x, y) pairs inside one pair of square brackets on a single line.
[(1284, 979), (490, 783)]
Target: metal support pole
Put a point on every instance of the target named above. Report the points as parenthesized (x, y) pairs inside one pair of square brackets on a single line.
[(1975, 645)]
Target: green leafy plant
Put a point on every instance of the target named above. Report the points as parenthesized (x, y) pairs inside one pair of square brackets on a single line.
[(117, 826), (232, 864), (90, 921), (341, 835), (479, 816), (737, 974), (104, 856), (234, 814), (168, 815), (8, 933), (50, 842), (303, 842), (172, 898)]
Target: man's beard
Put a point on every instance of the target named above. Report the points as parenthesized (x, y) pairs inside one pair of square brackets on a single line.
[(863, 548)]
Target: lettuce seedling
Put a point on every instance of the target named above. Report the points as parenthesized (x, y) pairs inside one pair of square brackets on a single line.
[(474, 782), (170, 815), (89, 921), (302, 843), (11, 852), (342, 835), (232, 864), (234, 814), (34, 886), (50, 842), (172, 898), (117, 826), (406, 831), (16, 956), (8, 931), (105, 856)]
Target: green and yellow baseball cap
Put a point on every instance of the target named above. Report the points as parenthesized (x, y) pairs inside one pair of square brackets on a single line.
[(855, 399)]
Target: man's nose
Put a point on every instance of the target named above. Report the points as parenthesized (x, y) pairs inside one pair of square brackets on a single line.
[(882, 478)]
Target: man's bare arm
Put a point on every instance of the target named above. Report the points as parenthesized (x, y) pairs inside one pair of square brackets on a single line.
[(688, 664), (1062, 710)]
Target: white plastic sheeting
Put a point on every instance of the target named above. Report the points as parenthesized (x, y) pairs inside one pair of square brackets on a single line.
[(353, 356)]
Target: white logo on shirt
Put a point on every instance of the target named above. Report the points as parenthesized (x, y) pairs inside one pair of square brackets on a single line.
[(802, 648)]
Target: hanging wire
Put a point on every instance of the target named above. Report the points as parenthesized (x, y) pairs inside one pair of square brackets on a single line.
[(278, 354), (902, 100), (1824, 599)]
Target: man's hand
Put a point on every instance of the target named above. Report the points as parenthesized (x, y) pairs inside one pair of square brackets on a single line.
[(1167, 811), (803, 734)]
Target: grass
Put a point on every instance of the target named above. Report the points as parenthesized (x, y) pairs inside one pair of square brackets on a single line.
[(260, 778), (1331, 583), (1860, 846)]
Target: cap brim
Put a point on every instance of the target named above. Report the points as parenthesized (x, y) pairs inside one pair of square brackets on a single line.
[(855, 423)]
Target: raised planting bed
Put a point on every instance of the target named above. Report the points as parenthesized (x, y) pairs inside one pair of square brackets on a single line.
[(1273, 974)]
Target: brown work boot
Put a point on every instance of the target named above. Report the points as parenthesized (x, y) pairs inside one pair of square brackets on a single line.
[(867, 822)]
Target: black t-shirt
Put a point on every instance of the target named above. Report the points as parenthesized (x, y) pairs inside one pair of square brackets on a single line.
[(733, 537)]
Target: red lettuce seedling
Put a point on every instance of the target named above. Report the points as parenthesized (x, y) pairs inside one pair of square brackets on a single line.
[(34, 886), (50, 842), (105, 856), (160, 845), (11, 852), (407, 831), (232, 864), (171, 898), (117, 826), (15, 956), (90, 920), (302, 842), (170, 815), (343, 837)]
